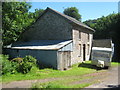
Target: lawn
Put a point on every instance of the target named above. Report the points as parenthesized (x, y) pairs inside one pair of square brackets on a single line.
[(75, 73), (35, 73)]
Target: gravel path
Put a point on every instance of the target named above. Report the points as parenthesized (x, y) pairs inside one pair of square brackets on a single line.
[(26, 83), (110, 81)]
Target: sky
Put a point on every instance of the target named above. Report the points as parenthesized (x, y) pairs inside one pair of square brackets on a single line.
[(88, 10)]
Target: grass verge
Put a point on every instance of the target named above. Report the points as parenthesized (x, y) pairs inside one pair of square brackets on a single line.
[(35, 73)]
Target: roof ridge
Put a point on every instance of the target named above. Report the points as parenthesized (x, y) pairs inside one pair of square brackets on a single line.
[(70, 19)]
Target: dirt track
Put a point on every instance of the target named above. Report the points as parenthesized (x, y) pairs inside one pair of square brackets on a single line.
[(107, 79), (112, 80)]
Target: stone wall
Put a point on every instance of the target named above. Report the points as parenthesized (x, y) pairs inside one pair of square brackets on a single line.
[(79, 42), (49, 27)]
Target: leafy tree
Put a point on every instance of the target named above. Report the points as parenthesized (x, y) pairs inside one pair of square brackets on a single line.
[(73, 12), (107, 27), (16, 18)]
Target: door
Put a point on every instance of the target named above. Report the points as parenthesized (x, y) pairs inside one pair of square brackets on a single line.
[(84, 55), (64, 60)]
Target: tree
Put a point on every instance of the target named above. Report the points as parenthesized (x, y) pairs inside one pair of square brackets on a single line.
[(36, 14), (16, 19), (106, 28), (73, 12)]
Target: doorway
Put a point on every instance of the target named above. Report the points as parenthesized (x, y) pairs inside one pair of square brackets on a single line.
[(84, 47), (64, 59)]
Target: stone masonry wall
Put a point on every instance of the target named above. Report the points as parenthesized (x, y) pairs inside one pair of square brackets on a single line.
[(77, 54), (49, 27)]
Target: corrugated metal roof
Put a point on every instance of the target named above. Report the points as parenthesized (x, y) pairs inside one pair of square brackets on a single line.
[(41, 44), (101, 49)]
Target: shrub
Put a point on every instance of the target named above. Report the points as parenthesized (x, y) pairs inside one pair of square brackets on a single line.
[(27, 63), (7, 66), (18, 59), (18, 64), (15, 67), (29, 59)]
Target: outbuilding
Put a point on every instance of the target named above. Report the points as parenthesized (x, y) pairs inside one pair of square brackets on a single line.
[(56, 40)]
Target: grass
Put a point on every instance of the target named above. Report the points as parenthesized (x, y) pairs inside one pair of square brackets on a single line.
[(67, 82), (67, 77), (47, 73), (115, 64)]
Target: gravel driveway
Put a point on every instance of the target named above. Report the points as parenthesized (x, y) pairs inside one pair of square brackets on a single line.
[(112, 80)]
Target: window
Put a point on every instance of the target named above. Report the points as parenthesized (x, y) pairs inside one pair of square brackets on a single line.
[(88, 36), (79, 35), (88, 49), (79, 50)]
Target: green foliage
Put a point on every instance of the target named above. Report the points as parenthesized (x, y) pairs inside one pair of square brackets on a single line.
[(26, 64), (14, 67), (6, 65), (108, 28), (37, 13), (29, 59), (16, 19), (22, 65), (73, 12), (18, 60), (25, 67)]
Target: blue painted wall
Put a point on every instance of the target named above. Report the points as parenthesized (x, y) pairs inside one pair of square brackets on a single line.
[(48, 57)]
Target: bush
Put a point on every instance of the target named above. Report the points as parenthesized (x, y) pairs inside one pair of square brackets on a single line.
[(18, 60), (29, 59), (26, 64), (7, 66), (22, 65)]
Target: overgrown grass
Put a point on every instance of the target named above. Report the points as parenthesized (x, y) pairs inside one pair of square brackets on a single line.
[(35, 73)]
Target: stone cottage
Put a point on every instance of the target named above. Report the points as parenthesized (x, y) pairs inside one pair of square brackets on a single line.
[(56, 40)]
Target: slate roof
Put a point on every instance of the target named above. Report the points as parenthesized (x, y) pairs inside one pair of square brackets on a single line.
[(70, 19), (40, 44)]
